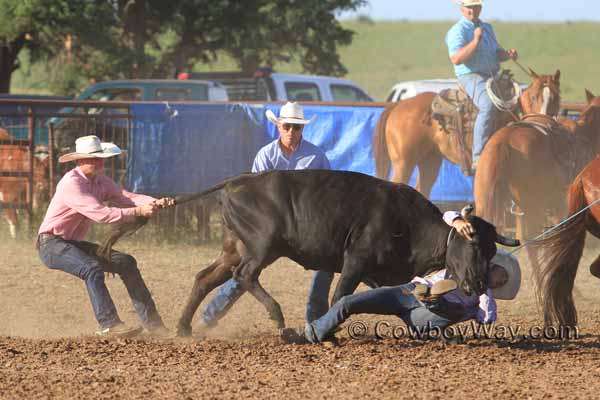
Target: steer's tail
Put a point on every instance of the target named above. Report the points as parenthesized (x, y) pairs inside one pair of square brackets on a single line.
[(124, 229), (219, 186), (380, 149)]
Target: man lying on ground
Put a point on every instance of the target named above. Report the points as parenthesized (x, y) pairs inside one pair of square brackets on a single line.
[(432, 302)]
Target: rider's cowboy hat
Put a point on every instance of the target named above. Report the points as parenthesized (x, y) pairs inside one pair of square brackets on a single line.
[(90, 147), (471, 3), (509, 290), (290, 113)]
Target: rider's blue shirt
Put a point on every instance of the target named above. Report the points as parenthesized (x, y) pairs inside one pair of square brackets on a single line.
[(484, 60), (306, 156)]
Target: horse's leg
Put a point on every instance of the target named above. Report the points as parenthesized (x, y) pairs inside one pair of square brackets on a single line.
[(532, 224), (247, 274), (429, 167), (402, 170), (209, 278)]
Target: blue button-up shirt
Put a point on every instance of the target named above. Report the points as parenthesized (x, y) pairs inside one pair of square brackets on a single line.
[(306, 156), (484, 60)]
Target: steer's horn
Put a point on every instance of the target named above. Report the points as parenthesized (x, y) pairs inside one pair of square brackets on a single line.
[(466, 211), (503, 240)]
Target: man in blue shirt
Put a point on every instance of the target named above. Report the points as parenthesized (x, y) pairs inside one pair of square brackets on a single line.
[(289, 152), (476, 56)]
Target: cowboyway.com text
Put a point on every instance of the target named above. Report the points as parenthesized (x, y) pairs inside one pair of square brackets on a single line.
[(387, 330)]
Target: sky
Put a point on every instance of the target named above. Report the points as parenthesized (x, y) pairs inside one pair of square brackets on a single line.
[(504, 10)]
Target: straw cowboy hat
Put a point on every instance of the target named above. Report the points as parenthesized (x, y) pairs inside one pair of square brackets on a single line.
[(90, 147), (509, 290), (290, 113), (471, 3)]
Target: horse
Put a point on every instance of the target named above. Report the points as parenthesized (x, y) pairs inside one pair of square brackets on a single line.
[(562, 249), (407, 134), (534, 170), (13, 190)]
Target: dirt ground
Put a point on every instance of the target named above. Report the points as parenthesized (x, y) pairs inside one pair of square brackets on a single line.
[(47, 347)]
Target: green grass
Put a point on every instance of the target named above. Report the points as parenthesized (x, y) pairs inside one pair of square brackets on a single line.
[(385, 53)]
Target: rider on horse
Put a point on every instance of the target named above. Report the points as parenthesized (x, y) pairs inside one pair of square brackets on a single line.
[(476, 56)]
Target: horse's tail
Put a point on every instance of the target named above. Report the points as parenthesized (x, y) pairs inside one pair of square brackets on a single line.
[(562, 251), (380, 149), (491, 187)]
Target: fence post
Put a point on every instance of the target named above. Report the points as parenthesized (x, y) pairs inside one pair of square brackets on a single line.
[(31, 138), (51, 157)]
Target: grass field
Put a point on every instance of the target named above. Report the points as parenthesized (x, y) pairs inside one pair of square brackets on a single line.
[(384, 53)]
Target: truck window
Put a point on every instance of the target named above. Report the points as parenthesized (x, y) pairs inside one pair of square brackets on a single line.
[(117, 94), (348, 93), (299, 91), (175, 94)]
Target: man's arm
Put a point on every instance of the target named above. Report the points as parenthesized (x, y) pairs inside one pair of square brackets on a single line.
[(464, 228), (465, 53), (503, 55), (80, 200), (121, 197)]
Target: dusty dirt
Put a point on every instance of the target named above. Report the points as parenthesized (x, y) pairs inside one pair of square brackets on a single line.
[(47, 349)]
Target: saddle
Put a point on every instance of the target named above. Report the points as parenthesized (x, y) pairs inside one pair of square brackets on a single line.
[(456, 113), (571, 152)]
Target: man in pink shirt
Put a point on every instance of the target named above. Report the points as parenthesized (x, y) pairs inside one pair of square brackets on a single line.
[(79, 202)]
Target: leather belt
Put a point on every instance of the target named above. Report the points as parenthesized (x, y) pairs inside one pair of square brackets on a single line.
[(43, 238)]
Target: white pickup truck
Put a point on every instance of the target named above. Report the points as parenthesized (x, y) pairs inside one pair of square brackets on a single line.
[(265, 85)]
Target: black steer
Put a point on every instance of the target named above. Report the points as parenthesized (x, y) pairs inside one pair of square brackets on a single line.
[(363, 227)]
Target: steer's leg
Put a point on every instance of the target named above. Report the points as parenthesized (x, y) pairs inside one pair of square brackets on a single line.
[(209, 278), (247, 274), (350, 277)]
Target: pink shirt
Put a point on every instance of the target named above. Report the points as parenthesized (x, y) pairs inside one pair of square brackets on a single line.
[(79, 201)]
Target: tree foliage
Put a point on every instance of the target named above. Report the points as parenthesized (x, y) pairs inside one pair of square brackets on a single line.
[(108, 39)]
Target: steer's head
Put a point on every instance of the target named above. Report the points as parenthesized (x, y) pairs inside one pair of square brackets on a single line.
[(469, 260)]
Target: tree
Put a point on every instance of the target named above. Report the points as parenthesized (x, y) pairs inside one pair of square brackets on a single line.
[(110, 39), (43, 27), (261, 32)]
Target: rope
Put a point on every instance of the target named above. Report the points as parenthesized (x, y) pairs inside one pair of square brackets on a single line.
[(503, 105), (527, 242)]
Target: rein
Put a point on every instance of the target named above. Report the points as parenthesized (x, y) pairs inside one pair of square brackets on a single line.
[(541, 235)]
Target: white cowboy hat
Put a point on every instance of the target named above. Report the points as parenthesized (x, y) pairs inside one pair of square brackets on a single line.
[(90, 147), (470, 3), (290, 113), (509, 290)]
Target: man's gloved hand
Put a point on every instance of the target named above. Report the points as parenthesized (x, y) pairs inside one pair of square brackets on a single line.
[(164, 202), (464, 228)]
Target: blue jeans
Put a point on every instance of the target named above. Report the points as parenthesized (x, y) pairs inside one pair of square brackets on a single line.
[(474, 84), (386, 301), (78, 258), (229, 292)]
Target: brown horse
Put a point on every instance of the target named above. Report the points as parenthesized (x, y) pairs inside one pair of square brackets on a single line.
[(534, 170), (13, 190), (563, 248), (407, 135)]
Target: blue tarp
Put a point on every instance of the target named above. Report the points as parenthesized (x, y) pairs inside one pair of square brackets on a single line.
[(176, 149)]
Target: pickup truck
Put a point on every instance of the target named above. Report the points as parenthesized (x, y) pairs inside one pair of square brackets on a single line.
[(108, 120), (266, 85)]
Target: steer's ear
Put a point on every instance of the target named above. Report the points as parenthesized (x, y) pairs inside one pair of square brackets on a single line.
[(466, 211), (503, 240)]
